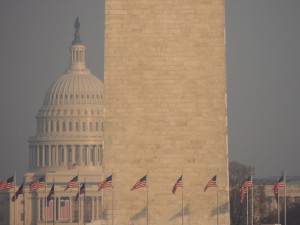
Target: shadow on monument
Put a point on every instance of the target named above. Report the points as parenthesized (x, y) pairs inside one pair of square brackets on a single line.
[(222, 209), (186, 211), (138, 215)]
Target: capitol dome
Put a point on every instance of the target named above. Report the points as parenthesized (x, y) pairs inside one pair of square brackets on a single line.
[(69, 124)]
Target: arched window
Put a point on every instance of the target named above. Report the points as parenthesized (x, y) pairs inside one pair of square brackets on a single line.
[(83, 126), (57, 126), (77, 126)]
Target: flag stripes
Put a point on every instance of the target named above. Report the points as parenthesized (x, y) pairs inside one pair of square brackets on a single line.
[(7, 184), (244, 188), (105, 183), (36, 184), (177, 184), (72, 183), (48, 210), (140, 184), (211, 183), (279, 184), (64, 211)]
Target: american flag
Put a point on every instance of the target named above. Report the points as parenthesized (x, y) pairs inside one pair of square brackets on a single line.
[(81, 191), (106, 183), (64, 208), (18, 192), (48, 210), (244, 188), (141, 183), (177, 184), (279, 184), (36, 184), (7, 184), (51, 194), (211, 183), (72, 183)]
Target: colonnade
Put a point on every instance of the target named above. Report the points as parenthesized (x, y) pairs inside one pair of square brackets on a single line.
[(65, 155)]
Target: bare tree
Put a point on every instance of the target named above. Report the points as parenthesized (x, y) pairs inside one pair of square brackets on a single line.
[(238, 173)]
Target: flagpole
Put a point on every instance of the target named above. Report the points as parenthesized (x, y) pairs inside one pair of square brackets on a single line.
[(182, 198), (24, 205), (53, 201), (284, 174), (101, 203), (24, 219), (83, 201), (112, 200), (45, 205), (147, 197), (15, 181), (278, 210), (252, 211), (217, 186), (79, 208), (247, 206)]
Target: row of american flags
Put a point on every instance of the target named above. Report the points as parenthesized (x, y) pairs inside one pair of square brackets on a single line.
[(74, 183), (248, 183), (108, 182)]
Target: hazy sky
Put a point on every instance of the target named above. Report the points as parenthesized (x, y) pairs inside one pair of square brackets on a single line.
[(263, 71)]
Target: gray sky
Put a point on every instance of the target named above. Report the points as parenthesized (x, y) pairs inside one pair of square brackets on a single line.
[(263, 70)]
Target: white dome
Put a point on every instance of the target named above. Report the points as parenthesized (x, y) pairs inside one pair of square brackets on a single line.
[(75, 87)]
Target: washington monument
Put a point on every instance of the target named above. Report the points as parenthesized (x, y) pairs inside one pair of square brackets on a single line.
[(165, 112)]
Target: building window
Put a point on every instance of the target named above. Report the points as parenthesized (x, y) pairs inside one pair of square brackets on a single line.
[(77, 154), (77, 126), (84, 155), (64, 206), (83, 126), (64, 126), (97, 126), (41, 209), (51, 126), (70, 126), (93, 154), (57, 126), (40, 155), (46, 123), (61, 155), (75, 210), (47, 155), (91, 126), (69, 153), (88, 209), (100, 152)]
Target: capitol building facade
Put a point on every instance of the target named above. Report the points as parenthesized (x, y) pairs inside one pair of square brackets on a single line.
[(68, 143)]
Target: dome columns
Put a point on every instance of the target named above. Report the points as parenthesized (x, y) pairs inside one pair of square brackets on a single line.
[(77, 57), (65, 155)]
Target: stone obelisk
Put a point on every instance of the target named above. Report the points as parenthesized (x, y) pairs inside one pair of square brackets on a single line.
[(165, 111)]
